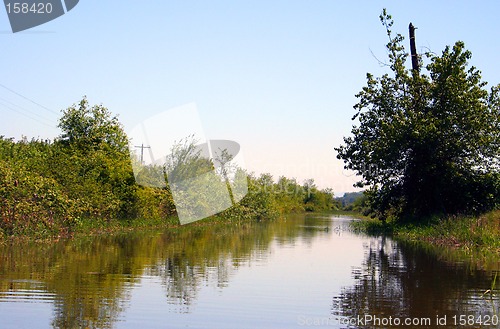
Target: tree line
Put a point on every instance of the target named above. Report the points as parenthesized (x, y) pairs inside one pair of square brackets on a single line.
[(51, 188), (426, 140)]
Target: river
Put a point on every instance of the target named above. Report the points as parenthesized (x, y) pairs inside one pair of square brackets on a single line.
[(299, 272)]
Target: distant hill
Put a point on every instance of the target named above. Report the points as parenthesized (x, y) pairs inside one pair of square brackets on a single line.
[(349, 198)]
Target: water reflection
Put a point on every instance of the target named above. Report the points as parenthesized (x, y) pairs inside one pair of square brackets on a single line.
[(281, 274), (89, 280), (407, 282)]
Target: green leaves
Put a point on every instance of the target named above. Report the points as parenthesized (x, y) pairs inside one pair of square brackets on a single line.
[(426, 143), (92, 128)]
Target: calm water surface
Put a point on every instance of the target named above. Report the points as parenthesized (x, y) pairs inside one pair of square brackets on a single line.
[(305, 271)]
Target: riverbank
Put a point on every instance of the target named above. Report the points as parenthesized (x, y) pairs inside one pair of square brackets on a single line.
[(238, 216), (104, 227), (471, 235), (84, 182)]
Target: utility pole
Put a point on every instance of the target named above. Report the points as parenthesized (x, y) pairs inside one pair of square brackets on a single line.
[(413, 49), (142, 151)]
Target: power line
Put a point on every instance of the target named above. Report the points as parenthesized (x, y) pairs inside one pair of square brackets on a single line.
[(26, 98), (32, 118), (24, 109)]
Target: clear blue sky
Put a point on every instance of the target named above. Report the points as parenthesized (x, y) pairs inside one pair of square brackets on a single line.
[(278, 77)]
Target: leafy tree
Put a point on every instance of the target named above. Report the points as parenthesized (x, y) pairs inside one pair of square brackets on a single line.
[(222, 161), (349, 198), (92, 127), (260, 200), (186, 161), (92, 159), (428, 142), (290, 195), (318, 200)]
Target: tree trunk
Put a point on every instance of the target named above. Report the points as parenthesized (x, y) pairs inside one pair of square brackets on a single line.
[(413, 49)]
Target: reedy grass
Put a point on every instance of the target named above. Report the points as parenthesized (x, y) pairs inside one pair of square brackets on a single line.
[(464, 233)]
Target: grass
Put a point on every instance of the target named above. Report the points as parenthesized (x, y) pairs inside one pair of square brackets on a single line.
[(89, 227), (464, 233), (492, 289), (96, 227)]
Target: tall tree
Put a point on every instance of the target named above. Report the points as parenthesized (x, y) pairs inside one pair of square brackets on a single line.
[(426, 143), (92, 128), (94, 161)]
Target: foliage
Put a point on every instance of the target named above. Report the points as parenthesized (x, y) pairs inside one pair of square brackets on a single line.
[(318, 200), (84, 179), (152, 203), (357, 202), (97, 167), (478, 235), (31, 204), (92, 128), (349, 198), (466, 233), (286, 196), (426, 143), (86, 173), (186, 161)]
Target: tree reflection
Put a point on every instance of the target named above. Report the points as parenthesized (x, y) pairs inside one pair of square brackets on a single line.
[(91, 279), (403, 281)]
